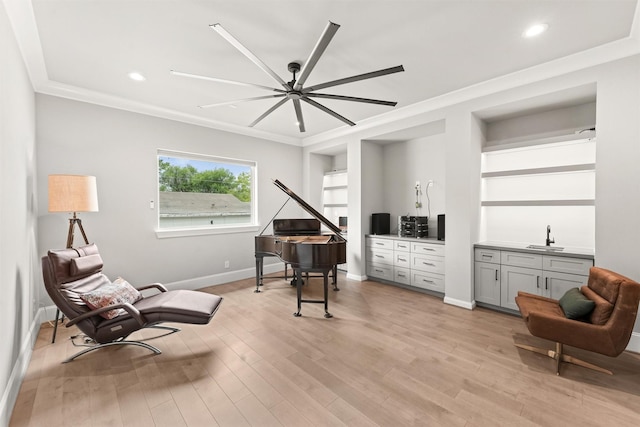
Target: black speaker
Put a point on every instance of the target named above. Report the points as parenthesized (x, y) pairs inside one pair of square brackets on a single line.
[(380, 223), (441, 227)]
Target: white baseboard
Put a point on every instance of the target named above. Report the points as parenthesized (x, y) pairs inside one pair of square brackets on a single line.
[(460, 303), (356, 277), (19, 370), (634, 342), (218, 279)]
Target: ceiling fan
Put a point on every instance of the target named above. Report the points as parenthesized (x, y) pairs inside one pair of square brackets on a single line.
[(295, 89)]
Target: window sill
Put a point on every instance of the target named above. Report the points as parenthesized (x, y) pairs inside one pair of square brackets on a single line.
[(188, 232)]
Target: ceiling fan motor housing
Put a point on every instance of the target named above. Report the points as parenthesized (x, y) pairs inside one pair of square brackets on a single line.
[(293, 67)]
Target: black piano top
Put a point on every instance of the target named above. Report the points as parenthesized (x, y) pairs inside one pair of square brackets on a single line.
[(331, 226), (296, 227)]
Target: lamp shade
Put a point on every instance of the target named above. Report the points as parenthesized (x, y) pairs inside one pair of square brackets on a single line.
[(73, 193)]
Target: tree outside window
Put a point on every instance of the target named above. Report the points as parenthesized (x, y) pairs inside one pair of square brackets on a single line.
[(197, 191)]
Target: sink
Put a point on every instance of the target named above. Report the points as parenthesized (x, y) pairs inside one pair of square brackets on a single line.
[(546, 248)]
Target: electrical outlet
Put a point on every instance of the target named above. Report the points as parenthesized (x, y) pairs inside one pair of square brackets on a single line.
[(226, 264)]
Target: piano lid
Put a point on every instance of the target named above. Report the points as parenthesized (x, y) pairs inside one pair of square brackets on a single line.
[(331, 226)]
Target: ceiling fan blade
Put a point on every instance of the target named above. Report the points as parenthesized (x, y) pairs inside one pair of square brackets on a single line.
[(352, 98), (269, 111), (246, 52), (328, 111), (255, 98), (352, 79), (298, 108), (316, 53), (232, 82)]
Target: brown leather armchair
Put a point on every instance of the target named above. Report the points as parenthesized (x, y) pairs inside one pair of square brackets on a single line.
[(606, 330), (70, 275)]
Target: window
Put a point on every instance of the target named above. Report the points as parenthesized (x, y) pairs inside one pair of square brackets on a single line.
[(204, 193)]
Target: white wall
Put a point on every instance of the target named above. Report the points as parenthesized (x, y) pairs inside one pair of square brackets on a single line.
[(120, 148), (407, 162), (618, 170), (19, 264)]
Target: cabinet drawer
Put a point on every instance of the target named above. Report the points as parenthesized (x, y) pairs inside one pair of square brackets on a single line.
[(401, 246), (402, 259), (427, 249), (379, 256), (380, 243), (402, 275), (567, 265), (380, 271), (487, 255), (434, 282), (433, 264), (521, 259)]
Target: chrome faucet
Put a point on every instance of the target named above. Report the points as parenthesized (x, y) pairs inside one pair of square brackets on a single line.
[(549, 241)]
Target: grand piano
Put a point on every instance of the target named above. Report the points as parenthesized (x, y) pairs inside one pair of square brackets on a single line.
[(299, 243)]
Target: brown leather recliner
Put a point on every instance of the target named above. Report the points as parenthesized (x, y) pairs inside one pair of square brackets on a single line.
[(606, 330), (72, 274)]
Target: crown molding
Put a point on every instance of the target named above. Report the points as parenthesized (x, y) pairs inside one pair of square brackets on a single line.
[(599, 55), (22, 19)]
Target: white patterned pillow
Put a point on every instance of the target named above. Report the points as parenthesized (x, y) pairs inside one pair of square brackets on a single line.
[(117, 292)]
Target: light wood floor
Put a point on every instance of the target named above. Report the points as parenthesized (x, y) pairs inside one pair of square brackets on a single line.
[(389, 357)]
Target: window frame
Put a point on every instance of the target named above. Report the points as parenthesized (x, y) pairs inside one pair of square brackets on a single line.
[(251, 227)]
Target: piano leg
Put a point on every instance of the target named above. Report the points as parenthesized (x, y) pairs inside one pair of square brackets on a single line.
[(326, 294), (334, 273), (298, 279), (259, 269)]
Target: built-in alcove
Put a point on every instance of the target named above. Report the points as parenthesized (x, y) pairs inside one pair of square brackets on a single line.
[(409, 159), (538, 169)]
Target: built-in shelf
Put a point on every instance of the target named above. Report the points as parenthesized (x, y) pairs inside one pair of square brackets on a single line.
[(335, 187), (582, 202), (544, 170)]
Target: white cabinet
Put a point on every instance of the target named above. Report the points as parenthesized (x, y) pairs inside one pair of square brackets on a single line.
[(487, 276), (404, 261), (379, 255), (501, 274), (514, 279)]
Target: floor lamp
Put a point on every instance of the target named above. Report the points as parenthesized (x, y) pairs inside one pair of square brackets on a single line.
[(73, 194)]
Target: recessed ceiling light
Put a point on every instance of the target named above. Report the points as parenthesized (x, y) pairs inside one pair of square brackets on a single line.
[(137, 76), (535, 30)]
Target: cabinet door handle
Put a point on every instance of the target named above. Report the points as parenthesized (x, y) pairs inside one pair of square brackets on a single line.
[(538, 282), (496, 275), (546, 283), (428, 281), (379, 243), (486, 256), (402, 259), (428, 263), (428, 249), (401, 275)]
